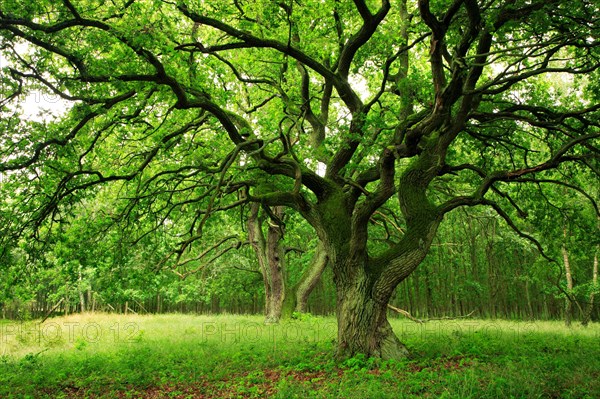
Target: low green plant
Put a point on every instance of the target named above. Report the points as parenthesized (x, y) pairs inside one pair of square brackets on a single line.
[(183, 356)]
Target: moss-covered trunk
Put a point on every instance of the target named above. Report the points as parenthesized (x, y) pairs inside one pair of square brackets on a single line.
[(363, 327), (276, 267), (270, 258), (296, 296)]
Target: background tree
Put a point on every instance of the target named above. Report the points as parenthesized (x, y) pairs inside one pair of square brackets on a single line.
[(282, 298)]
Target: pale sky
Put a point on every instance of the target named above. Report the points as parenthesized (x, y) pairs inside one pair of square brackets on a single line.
[(36, 106)]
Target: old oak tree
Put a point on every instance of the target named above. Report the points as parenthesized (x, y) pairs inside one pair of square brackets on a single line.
[(332, 109)]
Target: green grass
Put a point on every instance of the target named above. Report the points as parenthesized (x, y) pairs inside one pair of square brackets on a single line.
[(183, 356)]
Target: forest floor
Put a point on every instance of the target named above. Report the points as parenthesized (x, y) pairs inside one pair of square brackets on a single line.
[(188, 356)]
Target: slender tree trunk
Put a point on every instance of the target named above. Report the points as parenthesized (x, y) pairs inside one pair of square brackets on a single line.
[(590, 305), (474, 272), (417, 295), (429, 311), (258, 243), (569, 279), (309, 280), (80, 292), (530, 313), (276, 267), (491, 276), (89, 295), (270, 259), (67, 300), (297, 297)]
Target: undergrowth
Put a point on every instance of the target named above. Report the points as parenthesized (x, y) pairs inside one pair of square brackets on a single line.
[(183, 356)]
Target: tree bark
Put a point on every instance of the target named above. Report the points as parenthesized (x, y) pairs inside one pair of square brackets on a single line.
[(270, 259), (276, 266), (365, 285), (310, 278), (363, 326), (569, 280), (530, 313), (590, 305), (80, 291)]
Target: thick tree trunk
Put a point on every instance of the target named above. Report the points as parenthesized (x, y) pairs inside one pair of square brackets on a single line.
[(364, 287), (363, 326)]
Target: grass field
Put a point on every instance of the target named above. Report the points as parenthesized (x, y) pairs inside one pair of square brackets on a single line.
[(185, 356)]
